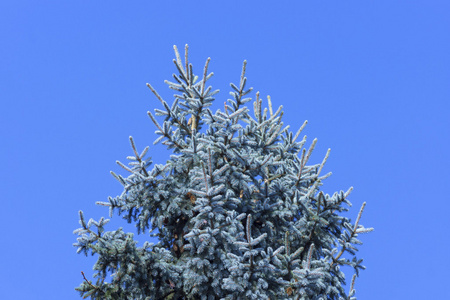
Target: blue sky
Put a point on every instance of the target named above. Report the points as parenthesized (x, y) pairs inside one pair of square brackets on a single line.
[(371, 77)]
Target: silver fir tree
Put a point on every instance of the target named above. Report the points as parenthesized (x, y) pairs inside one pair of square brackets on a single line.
[(238, 211)]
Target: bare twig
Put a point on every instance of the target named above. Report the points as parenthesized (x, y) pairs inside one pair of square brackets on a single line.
[(93, 286)]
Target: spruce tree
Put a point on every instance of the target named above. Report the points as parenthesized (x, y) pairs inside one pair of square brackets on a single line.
[(238, 210)]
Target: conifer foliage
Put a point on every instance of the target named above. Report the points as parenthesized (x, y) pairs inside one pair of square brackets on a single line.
[(238, 210)]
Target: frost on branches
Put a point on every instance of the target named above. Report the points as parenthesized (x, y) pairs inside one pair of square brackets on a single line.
[(238, 210)]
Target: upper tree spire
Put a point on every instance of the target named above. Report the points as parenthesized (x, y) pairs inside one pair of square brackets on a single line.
[(237, 208)]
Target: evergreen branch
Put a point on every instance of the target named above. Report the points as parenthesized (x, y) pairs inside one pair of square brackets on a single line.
[(155, 122), (299, 131), (249, 239), (210, 165), (359, 216), (257, 108), (321, 178), (264, 162), (186, 63), (138, 157), (270, 106), (163, 132), (179, 64), (311, 148), (119, 178), (155, 93), (302, 164), (134, 147), (310, 253), (352, 285), (190, 78), (204, 75), (348, 192), (226, 108), (123, 166), (248, 228), (242, 82), (170, 110), (268, 180), (323, 162), (352, 235), (93, 286), (205, 177)]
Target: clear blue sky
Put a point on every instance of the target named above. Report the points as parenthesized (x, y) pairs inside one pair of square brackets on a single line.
[(371, 77)]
